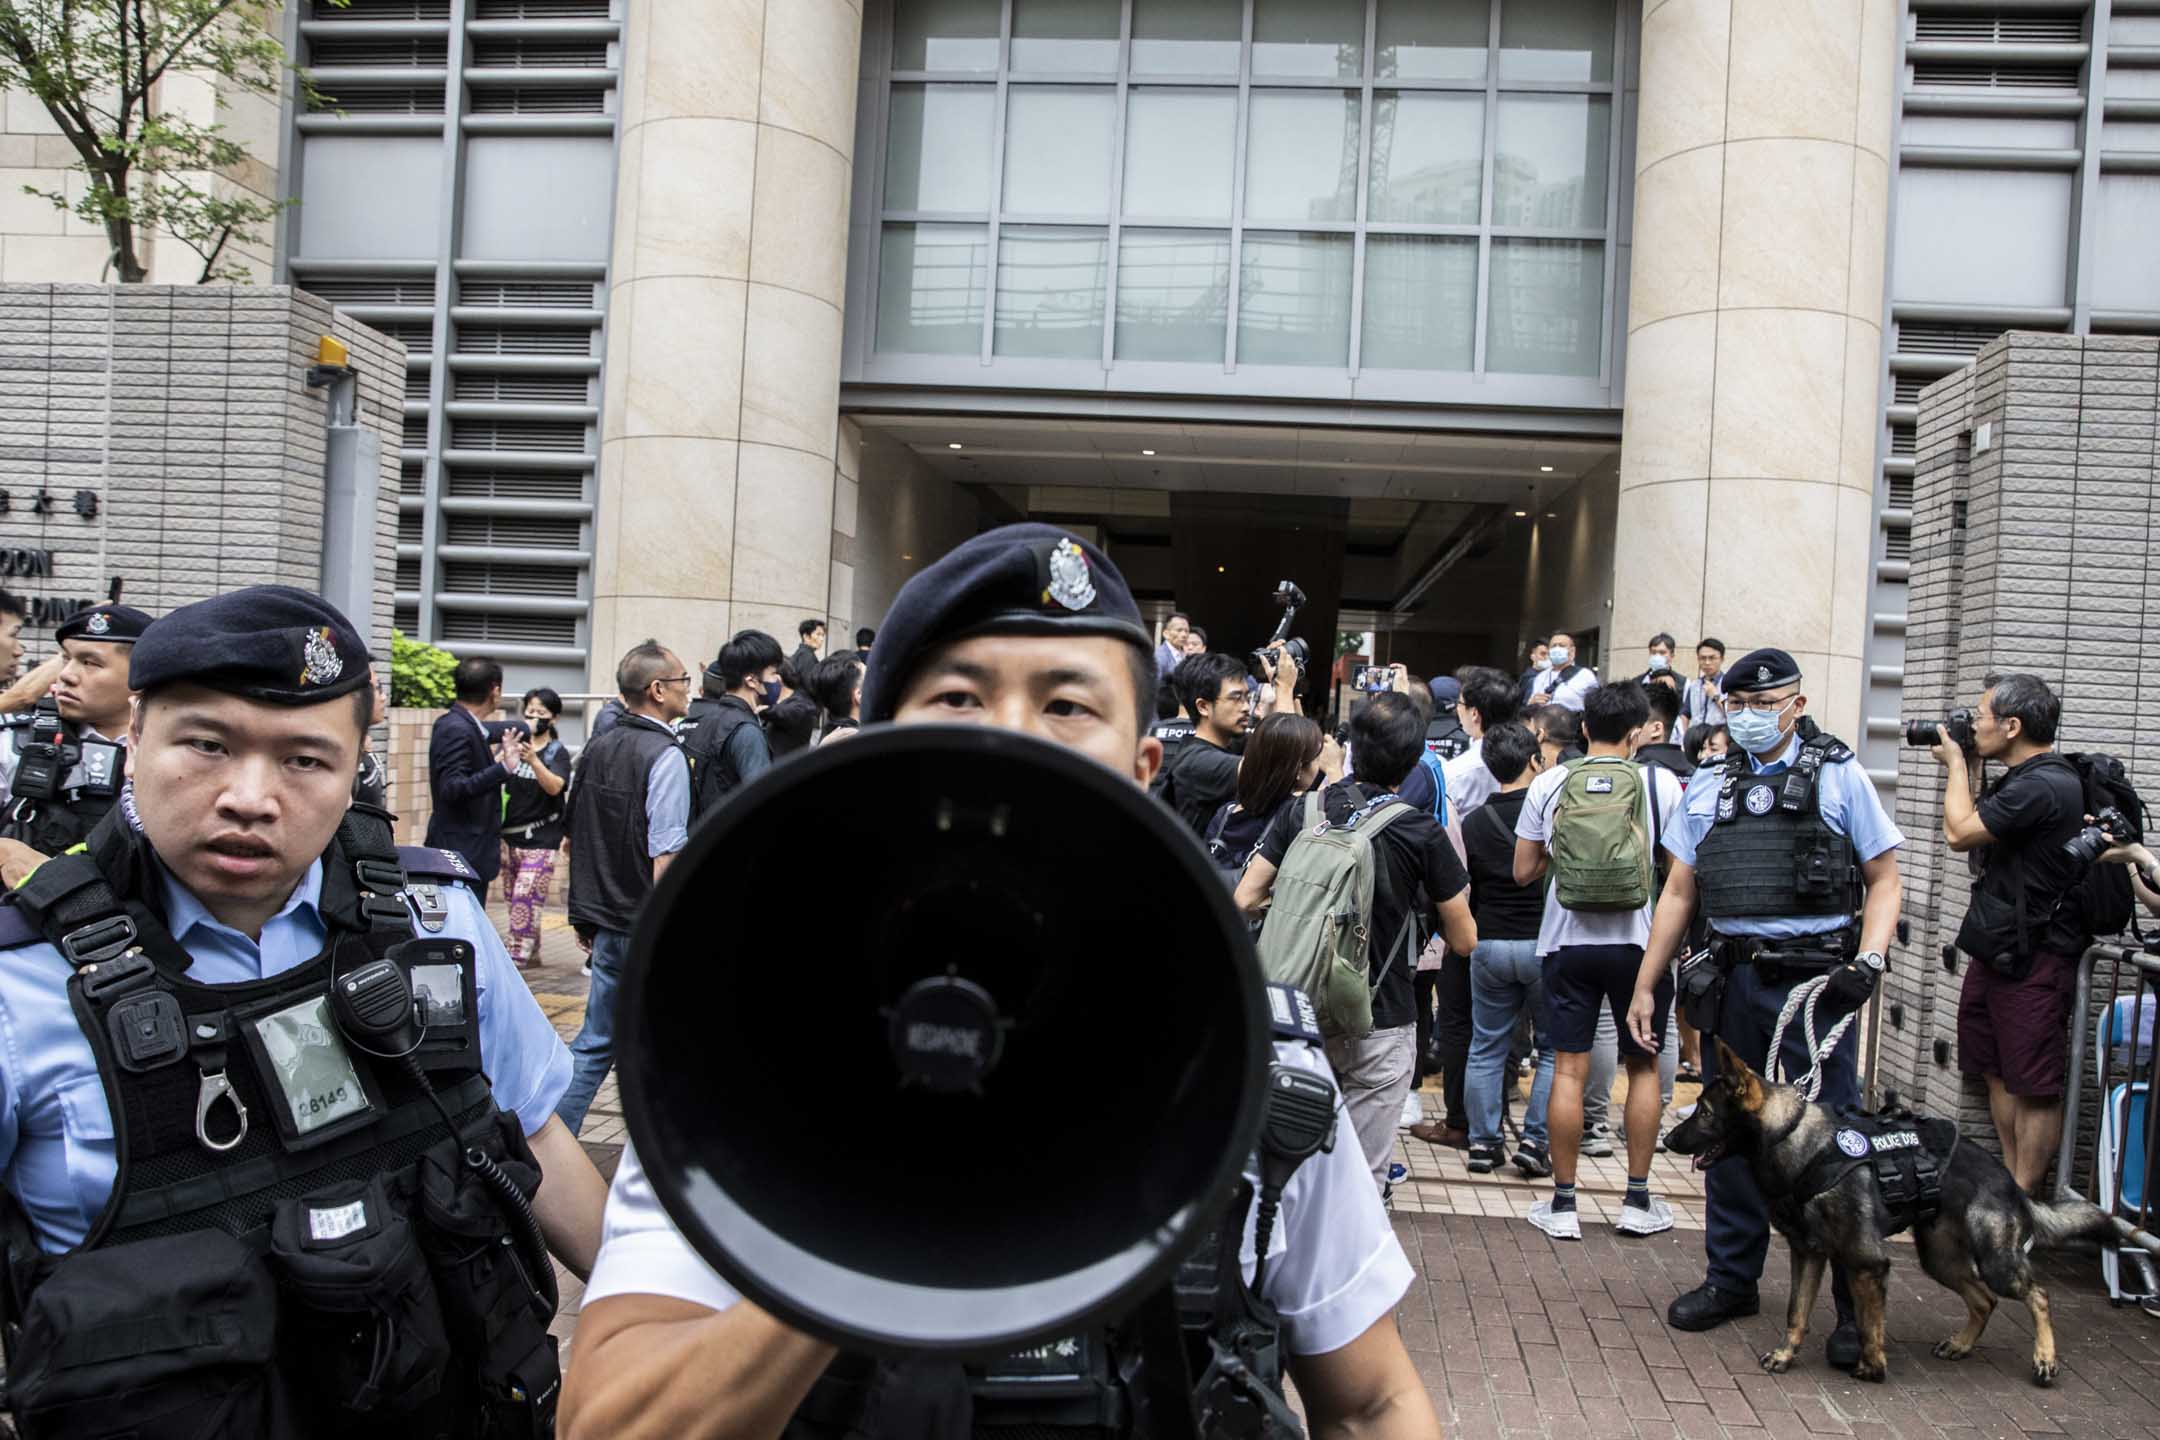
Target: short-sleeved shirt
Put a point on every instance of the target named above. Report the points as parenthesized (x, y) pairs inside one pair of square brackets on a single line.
[(1197, 779), (667, 802), (2031, 811), (1418, 857), (1334, 1264), (57, 1153), (1561, 926), (1567, 693), (1849, 806), (1470, 781)]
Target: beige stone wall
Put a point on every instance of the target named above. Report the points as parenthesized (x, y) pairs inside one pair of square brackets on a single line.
[(1748, 469), (405, 758)]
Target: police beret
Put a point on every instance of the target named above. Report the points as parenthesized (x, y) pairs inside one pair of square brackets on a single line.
[(266, 642), (120, 624), (1445, 691), (1765, 669), (1016, 580)]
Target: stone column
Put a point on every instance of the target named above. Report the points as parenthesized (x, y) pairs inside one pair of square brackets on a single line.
[(717, 454), (1747, 465)]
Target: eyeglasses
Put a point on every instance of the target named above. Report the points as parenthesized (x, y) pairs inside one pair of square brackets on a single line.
[(683, 679), (1767, 705)]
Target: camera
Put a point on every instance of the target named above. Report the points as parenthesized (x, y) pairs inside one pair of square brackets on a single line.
[(1957, 726), (2109, 827), (1374, 678), (1263, 661)]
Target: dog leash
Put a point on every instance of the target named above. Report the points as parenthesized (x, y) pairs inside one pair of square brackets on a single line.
[(1803, 1001)]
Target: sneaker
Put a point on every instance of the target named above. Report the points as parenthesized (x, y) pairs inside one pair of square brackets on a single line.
[(1413, 1112), (1527, 1067), (585, 969), (1533, 1162), (1560, 1224), (1635, 1220), (1397, 1174), (1597, 1142), (1483, 1159)]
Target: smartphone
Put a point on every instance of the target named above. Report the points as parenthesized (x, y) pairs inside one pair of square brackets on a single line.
[(1375, 678)]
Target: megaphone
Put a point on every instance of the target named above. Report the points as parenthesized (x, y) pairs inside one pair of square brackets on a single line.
[(995, 1085)]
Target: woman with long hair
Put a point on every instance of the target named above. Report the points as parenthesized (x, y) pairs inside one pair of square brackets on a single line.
[(533, 824), (1284, 758)]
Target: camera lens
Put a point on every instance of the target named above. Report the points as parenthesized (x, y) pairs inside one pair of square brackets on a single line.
[(1922, 733)]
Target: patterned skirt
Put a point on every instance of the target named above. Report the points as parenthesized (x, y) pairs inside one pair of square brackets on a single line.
[(528, 876)]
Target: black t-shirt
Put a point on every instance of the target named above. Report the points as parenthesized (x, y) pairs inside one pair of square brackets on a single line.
[(1196, 779), (1504, 909), (2031, 811), (1422, 871), (1241, 829), (528, 803)]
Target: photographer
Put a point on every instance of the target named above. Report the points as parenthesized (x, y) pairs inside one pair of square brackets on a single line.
[(1200, 776), (2025, 944)]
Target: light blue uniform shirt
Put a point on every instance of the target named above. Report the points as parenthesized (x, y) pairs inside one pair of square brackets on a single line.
[(667, 803), (1849, 804), (56, 1133)]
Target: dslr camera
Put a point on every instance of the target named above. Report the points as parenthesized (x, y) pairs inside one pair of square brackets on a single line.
[(2109, 827), (1957, 726), (1262, 662)]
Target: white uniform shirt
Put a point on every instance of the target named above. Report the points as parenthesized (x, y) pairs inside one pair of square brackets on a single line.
[(1562, 926), (1334, 1264)]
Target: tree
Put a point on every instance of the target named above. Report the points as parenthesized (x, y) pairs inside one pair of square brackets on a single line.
[(420, 674), (96, 67)]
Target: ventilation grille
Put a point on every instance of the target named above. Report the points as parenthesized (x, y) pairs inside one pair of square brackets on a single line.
[(552, 435), (418, 290), (555, 582), (543, 10), (486, 484), (1905, 389), (412, 478), (409, 526), (1922, 337), (385, 100), (524, 389), (1986, 29), (405, 619), (538, 54), (528, 294), (510, 629), (1901, 492), (1902, 440), (408, 575), (538, 100), (521, 340), (416, 384), (366, 50), (364, 10), (1897, 545), (526, 532), (413, 334), (416, 432), (1995, 77)]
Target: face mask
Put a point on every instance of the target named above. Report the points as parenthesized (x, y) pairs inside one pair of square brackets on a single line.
[(1558, 657), (772, 693), (1754, 730), (1659, 662), (1544, 665)]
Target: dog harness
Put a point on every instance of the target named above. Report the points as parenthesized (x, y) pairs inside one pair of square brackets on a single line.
[(1907, 1151)]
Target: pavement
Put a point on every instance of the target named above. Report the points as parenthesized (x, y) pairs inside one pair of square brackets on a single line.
[(1518, 1336)]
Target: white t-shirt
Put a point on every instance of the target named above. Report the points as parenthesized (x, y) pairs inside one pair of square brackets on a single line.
[(1334, 1264), (1569, 692), (1470, 782), (1562, 926)]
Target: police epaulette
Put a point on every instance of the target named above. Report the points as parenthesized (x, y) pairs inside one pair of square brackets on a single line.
[(1291, 1014), (16, 926), (425, 862), (1834, 750)]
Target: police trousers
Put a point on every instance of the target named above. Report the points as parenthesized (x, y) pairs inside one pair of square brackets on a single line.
[(1736, 1221)]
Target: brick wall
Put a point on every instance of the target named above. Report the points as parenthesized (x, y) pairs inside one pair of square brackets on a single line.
[(2033, 553)]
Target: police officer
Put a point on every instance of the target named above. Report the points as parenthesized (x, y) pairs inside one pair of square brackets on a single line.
[(73, 740), (293, 1201), (1028, 629), (1789, 802)]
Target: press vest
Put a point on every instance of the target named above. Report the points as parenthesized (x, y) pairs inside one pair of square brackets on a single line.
[(303, 1239), (82, 781), (1769, 852), (1446, 738), (713, 776), (610, 867)]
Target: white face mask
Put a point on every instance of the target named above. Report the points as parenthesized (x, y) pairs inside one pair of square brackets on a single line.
[(1544, 665), (1660, 662), (1558, 656)]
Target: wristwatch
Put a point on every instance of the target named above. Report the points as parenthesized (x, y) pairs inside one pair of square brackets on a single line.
[(1870, 960)]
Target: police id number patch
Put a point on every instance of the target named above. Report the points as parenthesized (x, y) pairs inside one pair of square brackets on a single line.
[(309, 1068), (337, 1222)]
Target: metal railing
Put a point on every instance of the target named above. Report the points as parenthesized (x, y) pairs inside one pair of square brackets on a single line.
[(2110, 973)]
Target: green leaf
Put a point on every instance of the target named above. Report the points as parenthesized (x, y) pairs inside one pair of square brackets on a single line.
[(420, 674)]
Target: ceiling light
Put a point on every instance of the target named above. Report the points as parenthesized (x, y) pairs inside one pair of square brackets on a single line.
[(1219, 570), (1147, 452), (907, 557), (1552, 514), (952, 445), (1522, 514), (1545, 469)]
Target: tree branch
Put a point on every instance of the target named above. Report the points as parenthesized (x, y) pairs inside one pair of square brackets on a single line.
[(174, 51)]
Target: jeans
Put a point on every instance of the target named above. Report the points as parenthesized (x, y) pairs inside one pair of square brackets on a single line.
[(1505, 979), (593, 1052), (1375, 1075), (1605, 1064)]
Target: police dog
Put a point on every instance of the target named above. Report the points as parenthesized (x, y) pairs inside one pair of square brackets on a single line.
[(1979, 1243)]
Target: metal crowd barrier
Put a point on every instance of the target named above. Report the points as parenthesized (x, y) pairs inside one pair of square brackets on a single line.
[(2107, 973)]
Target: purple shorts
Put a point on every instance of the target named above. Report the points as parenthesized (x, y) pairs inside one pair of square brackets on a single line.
[(2017, 1030)]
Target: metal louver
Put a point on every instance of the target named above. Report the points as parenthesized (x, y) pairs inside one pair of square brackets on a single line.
[(528, 294), (363, 50), (1983, 28), (545, 581), (490, 484), (535, 53), (362, 11), (524, 532), (523, 389), (524, 340), (471, 626), (1927, 337), (543, 9), (539, 100), (1948, 76), (380, 100), (384, 290), (560, 436)]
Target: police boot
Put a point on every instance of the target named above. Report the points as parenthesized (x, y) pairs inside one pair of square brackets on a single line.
[(1706, 1307), (1842, 1349)]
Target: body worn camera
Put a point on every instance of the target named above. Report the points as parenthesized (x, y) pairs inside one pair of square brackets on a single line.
[(2109, 827), (47, 756), (1957, 726), (1263, 661)]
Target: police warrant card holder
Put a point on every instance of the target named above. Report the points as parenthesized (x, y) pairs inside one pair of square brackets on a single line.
[(318, 1088)]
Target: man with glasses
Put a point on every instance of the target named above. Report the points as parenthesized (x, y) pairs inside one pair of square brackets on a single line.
[(1787, 850), (629, 814)]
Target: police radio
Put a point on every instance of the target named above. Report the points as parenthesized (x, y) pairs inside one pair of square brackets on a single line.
[(47, 756)]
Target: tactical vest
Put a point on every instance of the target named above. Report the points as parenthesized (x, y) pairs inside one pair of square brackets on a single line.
[(713, 776), (1907, 1152), (1769, 853), (1446, 738), (63, 785), (303, 1238), (611, 866)]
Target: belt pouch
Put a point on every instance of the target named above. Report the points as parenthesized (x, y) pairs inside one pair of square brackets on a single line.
[(172, 1338)]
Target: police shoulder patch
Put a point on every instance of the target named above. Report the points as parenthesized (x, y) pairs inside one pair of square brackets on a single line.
[(425, 862), (1291, 1014)]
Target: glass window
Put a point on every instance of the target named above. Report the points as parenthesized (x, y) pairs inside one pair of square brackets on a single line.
[(1428, 157), (1058, 142), (1567, 40), (1432, 39), (937, 151), (1051, 288), (945, 34), (1308, 37), (1549, 160), (931, 280), (1420, 302), (1173, 294), (1301, 155), (1180, 153), (1187, 37), (2128, 279), (1547, 307), (1294, 300), (1065, 35)]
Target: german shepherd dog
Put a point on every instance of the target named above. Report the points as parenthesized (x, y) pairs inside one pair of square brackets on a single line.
[(1979, 1242)]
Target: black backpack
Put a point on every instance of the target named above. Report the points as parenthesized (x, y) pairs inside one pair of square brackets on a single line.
[(2102, 901)]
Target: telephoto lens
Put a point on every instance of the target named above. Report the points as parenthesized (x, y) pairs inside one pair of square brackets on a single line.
[(1920, 734), (1957, 725)]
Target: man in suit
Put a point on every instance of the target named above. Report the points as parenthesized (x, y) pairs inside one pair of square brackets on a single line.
[(466, 774)]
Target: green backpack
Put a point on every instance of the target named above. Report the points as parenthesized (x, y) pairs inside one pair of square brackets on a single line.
[(1318, 933), (1604, 837)]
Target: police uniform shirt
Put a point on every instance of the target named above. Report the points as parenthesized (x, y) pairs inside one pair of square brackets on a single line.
[(11, 741), (1849, 804), (1470, 781), (1334, 1264), (1567, 693), (56, 1132)]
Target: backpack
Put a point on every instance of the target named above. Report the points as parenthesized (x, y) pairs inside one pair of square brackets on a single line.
[(2102, 903), (1432, 761), (1604, 857), (1318, 930)]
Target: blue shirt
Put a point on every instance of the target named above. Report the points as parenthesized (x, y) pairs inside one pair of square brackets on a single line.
[(56, 1133), (667, 803), (1849, 805)]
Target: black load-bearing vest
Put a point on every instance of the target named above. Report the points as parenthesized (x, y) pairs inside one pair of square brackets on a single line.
[(1770, 853), (79, 782), (1907, 1151), (296, 1243), (713, 776)]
